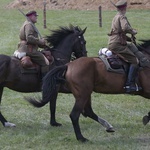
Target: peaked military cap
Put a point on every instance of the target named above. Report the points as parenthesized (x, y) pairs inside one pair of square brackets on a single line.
[(31, 13), (121, 3)]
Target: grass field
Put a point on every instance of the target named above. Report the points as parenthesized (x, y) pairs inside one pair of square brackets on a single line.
[(124, 112)]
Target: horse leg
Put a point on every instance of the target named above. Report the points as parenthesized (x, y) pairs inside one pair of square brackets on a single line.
[(2, 119), (88, 112), (53, 110), (146, 118), (74, 115)]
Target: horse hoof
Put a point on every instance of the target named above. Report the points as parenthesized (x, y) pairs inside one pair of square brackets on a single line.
[(83, 140), (145, 120), (110, 130), (8, 124), (55, 124)]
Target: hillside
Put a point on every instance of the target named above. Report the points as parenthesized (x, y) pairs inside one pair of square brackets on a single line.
[(76, 4)]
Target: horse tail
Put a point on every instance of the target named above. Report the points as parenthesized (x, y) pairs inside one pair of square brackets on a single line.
[(52, 81), (50, 86)]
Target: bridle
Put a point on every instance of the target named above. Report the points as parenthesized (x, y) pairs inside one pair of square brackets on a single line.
[(82, 44)]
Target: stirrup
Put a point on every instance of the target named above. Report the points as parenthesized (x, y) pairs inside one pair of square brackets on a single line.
[(132, 88)]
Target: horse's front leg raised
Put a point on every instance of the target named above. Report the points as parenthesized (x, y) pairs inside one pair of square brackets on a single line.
[(103, 122), (88, 112), (53, 110)]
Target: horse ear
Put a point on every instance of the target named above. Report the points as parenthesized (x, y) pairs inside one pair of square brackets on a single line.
[(75, 29), (83, 31)]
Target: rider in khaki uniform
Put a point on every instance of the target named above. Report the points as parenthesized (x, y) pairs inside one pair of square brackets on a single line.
[(30, 42), (119, 45)]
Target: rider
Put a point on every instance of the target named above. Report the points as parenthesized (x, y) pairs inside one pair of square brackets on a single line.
[(30, 42), (118, 44)]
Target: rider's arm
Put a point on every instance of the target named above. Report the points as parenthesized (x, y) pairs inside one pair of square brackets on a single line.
[(125, 25), (32, 36)]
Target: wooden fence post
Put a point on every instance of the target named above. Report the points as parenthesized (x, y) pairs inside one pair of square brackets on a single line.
[(100, 16), (44, 13)]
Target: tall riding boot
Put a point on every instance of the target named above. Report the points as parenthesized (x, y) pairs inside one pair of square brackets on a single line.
[(130, 83)]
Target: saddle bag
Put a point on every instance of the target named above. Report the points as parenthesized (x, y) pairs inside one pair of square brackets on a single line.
[(27, 63), (115, 62)]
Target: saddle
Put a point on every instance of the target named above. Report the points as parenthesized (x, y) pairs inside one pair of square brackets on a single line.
[(112, 61), (29, 67)]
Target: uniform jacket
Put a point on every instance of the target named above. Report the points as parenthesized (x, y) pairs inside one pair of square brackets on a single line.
[(120, 27), (29, 41), (117, 39)]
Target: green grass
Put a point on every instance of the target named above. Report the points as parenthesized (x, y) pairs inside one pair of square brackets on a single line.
[(124, 112)]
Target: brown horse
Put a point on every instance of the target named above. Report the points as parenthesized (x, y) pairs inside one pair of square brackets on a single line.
[(62, 42), (85, 75)]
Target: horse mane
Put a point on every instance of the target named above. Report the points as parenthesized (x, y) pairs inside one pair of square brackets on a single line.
[(143, 45), (59, 34)]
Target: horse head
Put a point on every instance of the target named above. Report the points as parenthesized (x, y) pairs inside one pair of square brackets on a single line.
[(65, 41), (79, 42)]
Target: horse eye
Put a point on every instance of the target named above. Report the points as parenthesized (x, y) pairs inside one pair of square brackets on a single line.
[(79, 36)]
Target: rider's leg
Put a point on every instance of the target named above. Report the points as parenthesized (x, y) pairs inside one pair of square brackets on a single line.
[(39, 58), (143, 60), (130, 83)]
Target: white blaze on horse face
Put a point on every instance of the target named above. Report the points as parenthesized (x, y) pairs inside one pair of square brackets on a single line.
[(104, 123)]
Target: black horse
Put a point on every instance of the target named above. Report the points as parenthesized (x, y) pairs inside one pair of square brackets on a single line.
[(62, 42)]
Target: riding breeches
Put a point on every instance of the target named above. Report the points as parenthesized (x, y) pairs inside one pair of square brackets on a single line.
[(38, 58), (124, 52)]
